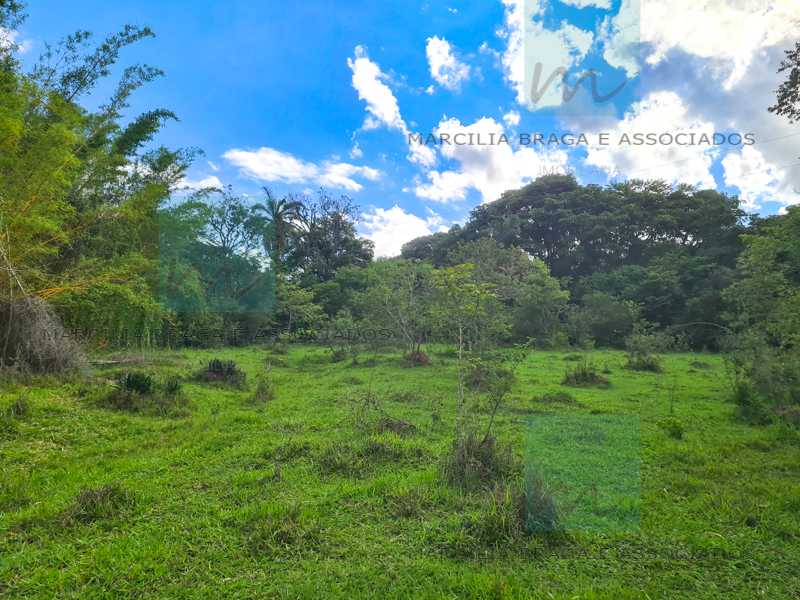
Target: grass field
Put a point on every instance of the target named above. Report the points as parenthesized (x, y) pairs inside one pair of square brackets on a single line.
[(666, 496)]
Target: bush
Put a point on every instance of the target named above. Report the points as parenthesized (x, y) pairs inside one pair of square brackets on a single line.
[(417, 358), (138, 383), (766, 380), (556, 398), (750, 406), (514, 511), (502, 522), (138, 392), (541, 514), (265, 391), (644, 363), (584, 374), (474, 462), (485, 376), (223, 371), (33, 339), (19, 409), (172, 386), (94, 504), (643, 347), (672, 427)]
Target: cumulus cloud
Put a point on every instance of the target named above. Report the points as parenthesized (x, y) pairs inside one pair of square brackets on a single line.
[(445, 68), (728, 34), (511, 118), (268, 164), (659, 112), (382, 107), (212, 181), (621, 38), (530, 43), (490, 169), (740, 106), (390, 228), (756, 178)]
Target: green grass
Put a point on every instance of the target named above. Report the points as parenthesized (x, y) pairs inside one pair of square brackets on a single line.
[(300, 497)]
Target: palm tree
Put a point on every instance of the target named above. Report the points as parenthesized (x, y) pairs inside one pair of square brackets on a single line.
[(282, 217)]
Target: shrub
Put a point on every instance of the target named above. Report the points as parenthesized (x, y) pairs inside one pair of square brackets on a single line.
[(750, 406), (137, 383), (642, 348), (223, 371), (94, 504), (501, 522), (474, 462), (417, 358), (34, 339), (338, 355), (265, 391), (539, 509), (556, 398), (485, 376), (584, 374), (644, 363), (514, 511), (138, 392), (19, 409), (766, 380), (672, 427), (172, 386)]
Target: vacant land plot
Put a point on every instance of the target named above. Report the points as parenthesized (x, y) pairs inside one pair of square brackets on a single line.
[(305, 477)]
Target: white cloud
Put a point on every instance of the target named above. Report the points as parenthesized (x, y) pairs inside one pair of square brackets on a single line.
[(661, 112), (491, 169), (368, 81), (355, 151), (756, 179), (511, 118), (212, 181), (390, 228), (529, 43), (268, 164), (213, 166), (340, 175), (621, 38), (9, 38), (729, 33), (740, 108), (606, 4), (445, 68)]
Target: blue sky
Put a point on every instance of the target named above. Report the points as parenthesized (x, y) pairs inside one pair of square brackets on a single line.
[(298, 95)]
